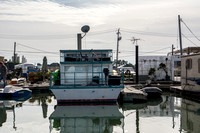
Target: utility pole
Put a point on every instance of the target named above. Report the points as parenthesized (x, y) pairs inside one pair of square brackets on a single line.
[(134, 40), (118, 39), (14, 56), (180, 36), (172, 63), (173, 49)]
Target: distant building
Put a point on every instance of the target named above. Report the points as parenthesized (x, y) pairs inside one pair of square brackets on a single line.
[(53, 66), (39, 66), (188, 51), (24, 60), (26, 68), (148, 62)]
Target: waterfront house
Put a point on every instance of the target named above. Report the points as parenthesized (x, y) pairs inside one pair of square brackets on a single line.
[(190, 72)]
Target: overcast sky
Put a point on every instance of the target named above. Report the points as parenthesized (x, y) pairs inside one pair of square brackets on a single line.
[(43, 27)]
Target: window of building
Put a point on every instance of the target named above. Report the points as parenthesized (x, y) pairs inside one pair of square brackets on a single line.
[(188, 63)]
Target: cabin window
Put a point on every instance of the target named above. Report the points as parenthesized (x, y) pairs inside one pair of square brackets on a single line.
[(188, 64), (199, 65)]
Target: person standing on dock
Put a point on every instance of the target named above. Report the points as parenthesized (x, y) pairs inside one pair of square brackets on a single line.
[(3, 73)]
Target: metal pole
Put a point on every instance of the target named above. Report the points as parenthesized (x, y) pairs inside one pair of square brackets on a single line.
[(79, 45), (180, 36), (136, 63), (14, 56), (137, 122), (172, 63), (117, 48)]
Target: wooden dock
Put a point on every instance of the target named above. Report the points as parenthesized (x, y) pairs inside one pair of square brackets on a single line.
[(176, 89), (131, 94), (163, 85), (38, 88)]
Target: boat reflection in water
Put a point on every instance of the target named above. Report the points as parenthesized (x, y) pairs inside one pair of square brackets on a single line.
[(85, 118), (190, 116), (10, 105)]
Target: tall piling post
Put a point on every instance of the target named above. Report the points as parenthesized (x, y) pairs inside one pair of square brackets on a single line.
[(180, 35)]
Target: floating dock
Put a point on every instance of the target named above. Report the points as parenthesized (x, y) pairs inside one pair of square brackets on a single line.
[(38, 88), (131, 94)]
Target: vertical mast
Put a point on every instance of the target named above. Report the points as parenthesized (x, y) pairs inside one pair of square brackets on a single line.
[(136, 63), (79, 41), (14, 56), (180, 36), (118, 39)]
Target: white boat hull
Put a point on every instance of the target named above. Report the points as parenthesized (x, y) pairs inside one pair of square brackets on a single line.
[(87, 95)]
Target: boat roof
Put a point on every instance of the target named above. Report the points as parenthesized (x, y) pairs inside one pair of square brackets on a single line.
[(87, 50)]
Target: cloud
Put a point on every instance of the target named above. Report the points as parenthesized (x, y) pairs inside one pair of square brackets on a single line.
[(54, 12), (40, 19)]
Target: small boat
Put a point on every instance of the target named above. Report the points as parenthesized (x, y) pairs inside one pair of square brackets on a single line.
[(11, 91), (152, 92), (131, 94)]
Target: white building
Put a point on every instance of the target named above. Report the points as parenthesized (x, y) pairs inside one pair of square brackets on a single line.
[(148, 62), (190, 73), (24, 60)]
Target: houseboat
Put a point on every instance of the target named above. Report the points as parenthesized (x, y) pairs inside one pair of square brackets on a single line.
[(86, 76), (190, 73)]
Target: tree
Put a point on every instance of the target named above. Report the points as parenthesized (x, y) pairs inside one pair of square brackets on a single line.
[(44, 67), (163, 67), (152, 73), (123, 62)]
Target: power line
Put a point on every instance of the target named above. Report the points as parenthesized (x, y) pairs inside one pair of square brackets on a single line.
[(37, 37), (189, 40), (156, 50), (101, 32), (35, 48), (148, 51), (148, 33), (190, 30), (37, 52), (51, 37)]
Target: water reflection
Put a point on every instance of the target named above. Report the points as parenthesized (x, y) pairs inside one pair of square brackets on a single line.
[(10, 105), (190, 116), (85, 118), (167, 114), (148, 112), (42, 99)]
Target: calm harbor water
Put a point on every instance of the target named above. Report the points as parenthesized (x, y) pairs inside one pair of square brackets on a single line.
[(169, 114)]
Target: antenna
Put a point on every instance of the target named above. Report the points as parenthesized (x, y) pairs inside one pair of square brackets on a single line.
[(85, 29), (134, 40)]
